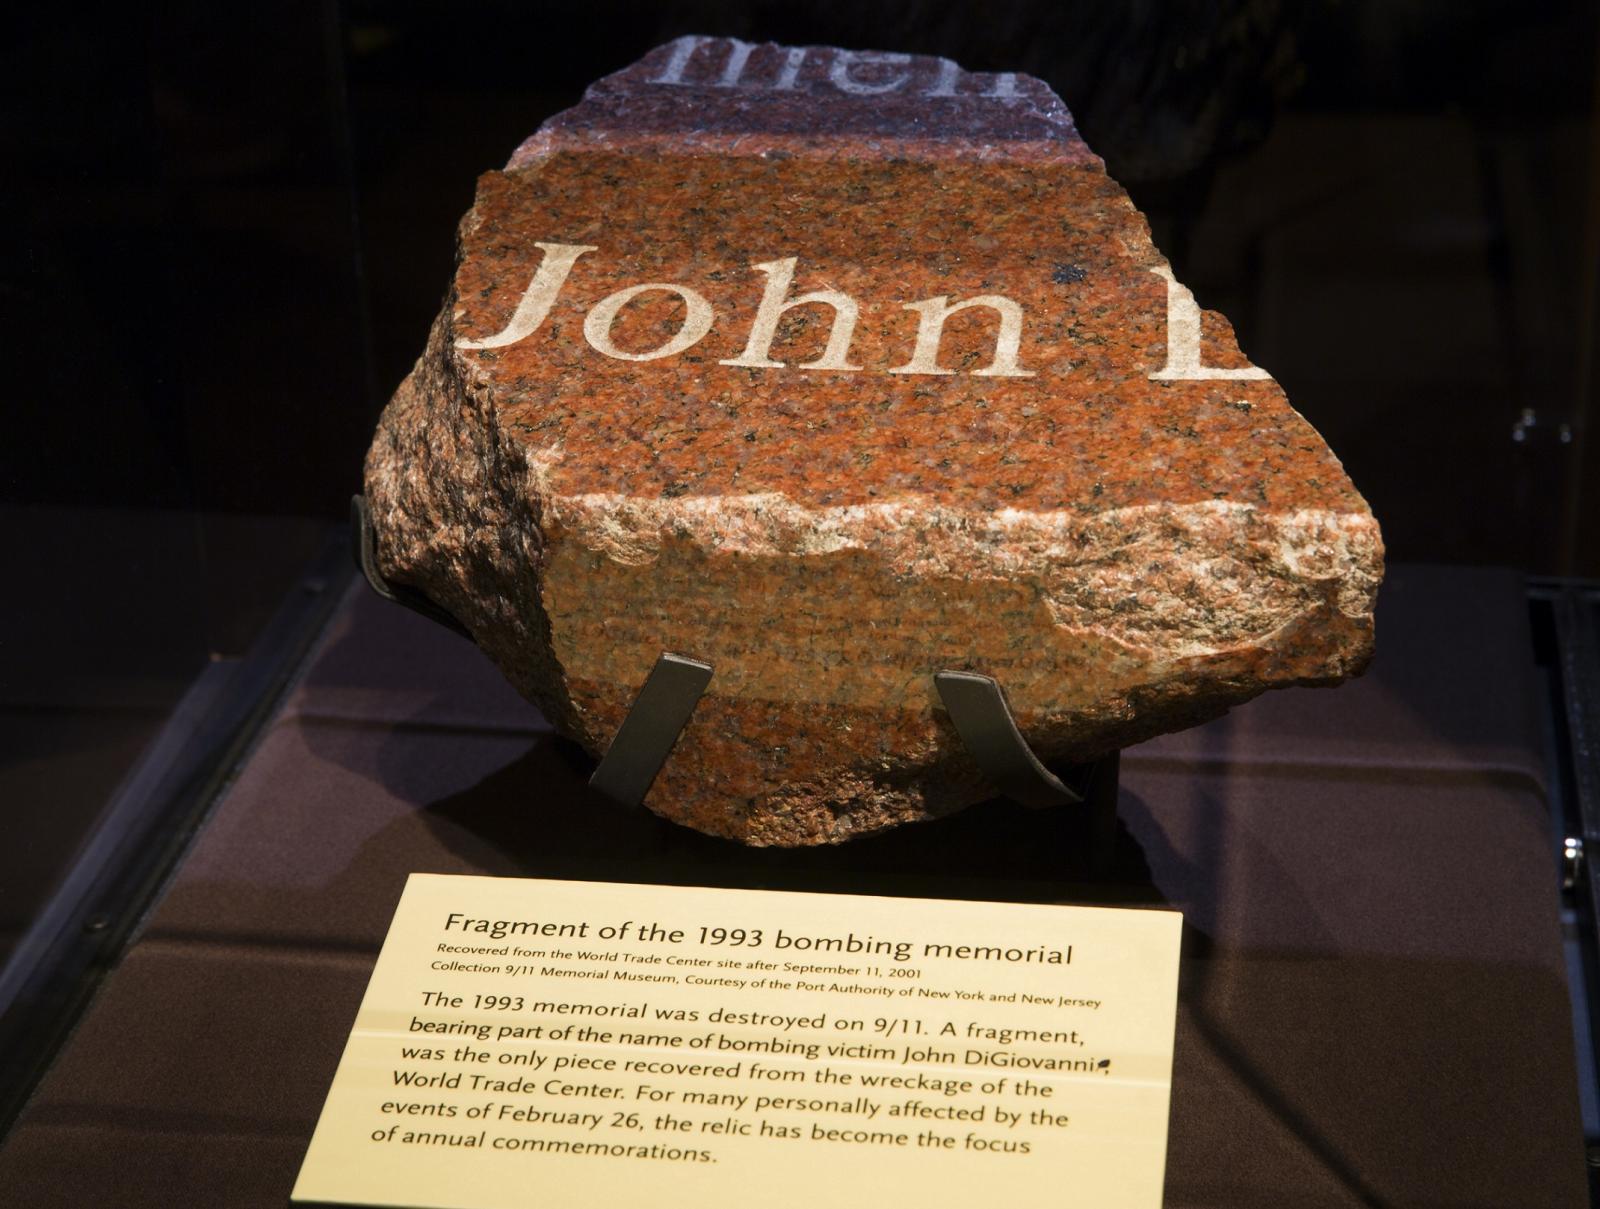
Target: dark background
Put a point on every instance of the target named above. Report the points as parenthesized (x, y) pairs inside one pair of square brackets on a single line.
[(225, 228)]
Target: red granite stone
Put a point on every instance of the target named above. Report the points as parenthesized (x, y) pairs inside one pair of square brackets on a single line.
[(620, 441)]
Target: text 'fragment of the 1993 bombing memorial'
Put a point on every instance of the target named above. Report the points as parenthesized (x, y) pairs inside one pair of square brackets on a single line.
[(585, 1036), (835, 370)]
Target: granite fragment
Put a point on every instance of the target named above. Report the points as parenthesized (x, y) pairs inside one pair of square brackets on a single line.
[(837, 369)]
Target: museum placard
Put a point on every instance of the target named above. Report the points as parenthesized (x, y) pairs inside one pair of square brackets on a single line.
[(527, 1042)]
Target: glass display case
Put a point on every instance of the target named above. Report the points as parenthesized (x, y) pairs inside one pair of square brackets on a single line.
[(230, 228)]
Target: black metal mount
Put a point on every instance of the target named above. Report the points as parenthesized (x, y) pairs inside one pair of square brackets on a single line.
[(667, 701), (650, 731), (983, 720), (364, 545)]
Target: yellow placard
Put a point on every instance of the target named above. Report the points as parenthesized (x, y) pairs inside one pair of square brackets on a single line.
[(546, 1043)]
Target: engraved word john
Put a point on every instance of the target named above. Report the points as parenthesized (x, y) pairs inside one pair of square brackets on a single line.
[(1183, 323), (699, 317)]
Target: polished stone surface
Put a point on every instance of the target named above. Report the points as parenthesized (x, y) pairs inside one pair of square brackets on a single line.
[(835, 370)]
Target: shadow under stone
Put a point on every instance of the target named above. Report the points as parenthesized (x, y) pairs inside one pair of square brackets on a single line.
[(539, 812)]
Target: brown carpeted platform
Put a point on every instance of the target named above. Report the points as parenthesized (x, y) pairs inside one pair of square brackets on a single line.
[(1373, 1011)]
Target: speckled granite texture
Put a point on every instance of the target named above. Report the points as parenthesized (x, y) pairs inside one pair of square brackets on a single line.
[(707, 381)]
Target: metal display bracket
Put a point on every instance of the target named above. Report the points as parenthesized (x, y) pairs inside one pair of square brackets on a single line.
[(667, 701), (364, 546)]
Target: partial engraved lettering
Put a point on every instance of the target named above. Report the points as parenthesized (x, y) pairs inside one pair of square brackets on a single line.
[(932, 314), (696, 322), (1183, 339)]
